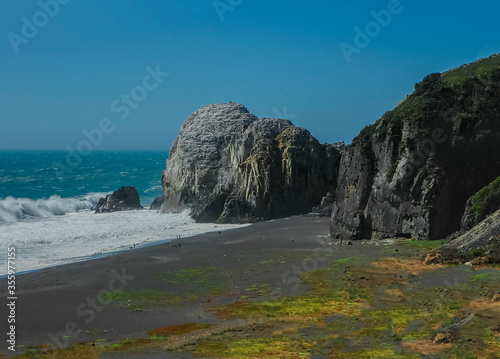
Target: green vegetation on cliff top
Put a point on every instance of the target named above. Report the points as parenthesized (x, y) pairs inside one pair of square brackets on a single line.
[(489, 194), (433, 98)]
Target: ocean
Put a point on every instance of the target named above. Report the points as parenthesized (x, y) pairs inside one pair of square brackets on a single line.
[(45, 212)]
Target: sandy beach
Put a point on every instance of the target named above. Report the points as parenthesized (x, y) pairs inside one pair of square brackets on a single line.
[(49, 299), (214, 284)]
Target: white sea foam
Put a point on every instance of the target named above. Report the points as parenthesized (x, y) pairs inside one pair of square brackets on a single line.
[(13, 209), (50, 240), (154, 189)]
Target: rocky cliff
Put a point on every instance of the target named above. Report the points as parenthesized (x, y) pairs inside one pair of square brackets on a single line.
[(230, 166), (411, 173), (482, 204)]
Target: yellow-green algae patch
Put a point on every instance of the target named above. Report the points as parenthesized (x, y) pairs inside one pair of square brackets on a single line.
[(134, 299), (201, 280), (177, 329), (88, 350), (290, 308), (277, 347), (381, 353), (325, 299), (353, 309)]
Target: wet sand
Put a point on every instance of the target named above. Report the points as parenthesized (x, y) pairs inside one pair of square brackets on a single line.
[(59, 301), (57, 307)]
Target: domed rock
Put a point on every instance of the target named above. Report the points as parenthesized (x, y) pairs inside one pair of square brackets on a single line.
[(230, 166)]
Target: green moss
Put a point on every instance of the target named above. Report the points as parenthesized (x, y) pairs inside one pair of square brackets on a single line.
[(476, 253), (203, 280), (178, 329), (483, 68), (422, 244), (339, 281), (268, 348), (392, 170), (305, 307), (480, 276), (387, 353), (142, 297), (210, 349), (156, 338), (344, 260), (480, 201)]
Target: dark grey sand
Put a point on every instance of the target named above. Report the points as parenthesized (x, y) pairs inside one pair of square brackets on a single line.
[(58, 301), (52, 300)]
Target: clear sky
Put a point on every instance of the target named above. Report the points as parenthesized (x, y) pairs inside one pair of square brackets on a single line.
[(65, 64)]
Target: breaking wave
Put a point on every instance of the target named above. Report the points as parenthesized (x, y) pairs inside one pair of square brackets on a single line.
[(14, 209)]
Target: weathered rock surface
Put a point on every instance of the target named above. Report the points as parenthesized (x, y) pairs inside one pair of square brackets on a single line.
[(482, 204), (126, 198), (481, 241), (485, 234), (230, 166), (411, 173), (157, 203), (326, 205)]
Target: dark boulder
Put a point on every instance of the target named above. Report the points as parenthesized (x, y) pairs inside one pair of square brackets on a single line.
[(126, 198), (157, 203)]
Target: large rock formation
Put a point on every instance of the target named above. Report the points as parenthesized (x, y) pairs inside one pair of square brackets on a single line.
[(411, 173), (126, 198), (230, 166)]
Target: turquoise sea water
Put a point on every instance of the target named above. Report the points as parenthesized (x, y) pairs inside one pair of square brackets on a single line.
[(45, 207), (42, 174)]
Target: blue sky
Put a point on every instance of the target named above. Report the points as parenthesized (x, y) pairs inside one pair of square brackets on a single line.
[(275, 57)]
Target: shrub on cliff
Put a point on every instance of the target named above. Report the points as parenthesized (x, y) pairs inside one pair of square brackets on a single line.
[(430, 83)]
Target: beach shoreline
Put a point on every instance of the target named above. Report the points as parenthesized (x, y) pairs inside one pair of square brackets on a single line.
[(217, 228), (50, 298), (83, 235), (284, 280)]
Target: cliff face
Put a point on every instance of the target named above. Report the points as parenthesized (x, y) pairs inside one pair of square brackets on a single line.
[(411, 173), (230, 166)]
